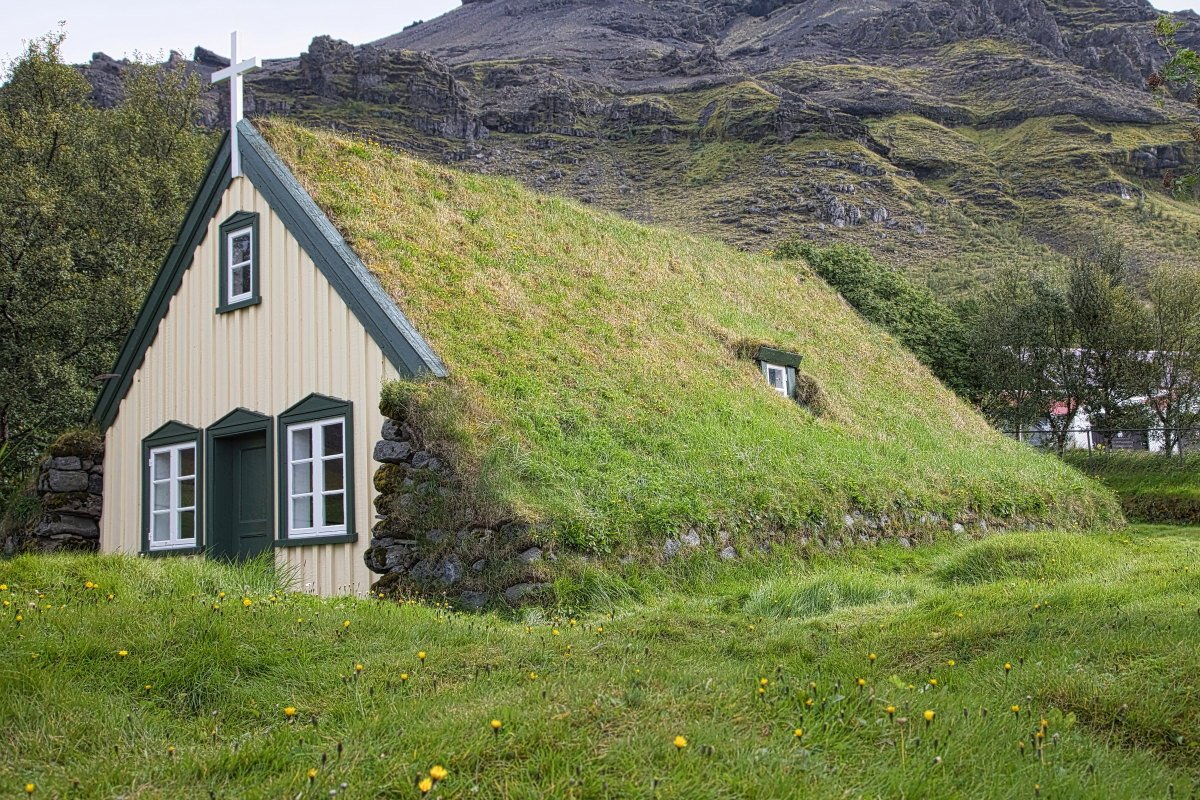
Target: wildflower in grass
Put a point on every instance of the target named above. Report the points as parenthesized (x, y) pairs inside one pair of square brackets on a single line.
[(425, 784), (937, 760), (216, 606), (533, 676), (1016, 710), (799, 732), (871, 657), (933, 682), (345, 624), (762, 690), (111, 597), (122, 653), (403, 677), (3, 587), (30, 788), (890, 711), (89, 585), (763, 681), (950, 662), (220, 595), (358, 668), (289, 712), (1007, 668), (751, 627), (680, 742), (861, 682), (299, 620), (554, 632), (808, 701), (421, 656), (312, 773), (496, 725), (572, 622), (438, 772), (599, 629), (247, 602), (18, 618), (170, 750), (929, 715)]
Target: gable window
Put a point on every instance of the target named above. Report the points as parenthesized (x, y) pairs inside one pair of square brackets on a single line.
[(239, 268), (170, 512), (316, 459)]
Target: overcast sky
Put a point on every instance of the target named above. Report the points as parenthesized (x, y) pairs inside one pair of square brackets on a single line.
[(268, 30)]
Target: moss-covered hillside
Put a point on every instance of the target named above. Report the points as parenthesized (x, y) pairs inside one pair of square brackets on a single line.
[(595, 379)]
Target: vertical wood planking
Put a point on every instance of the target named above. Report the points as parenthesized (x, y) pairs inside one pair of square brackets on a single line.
[(201, 365)]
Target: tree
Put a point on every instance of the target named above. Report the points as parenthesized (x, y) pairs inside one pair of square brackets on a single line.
[(1172, 379), (90, 201), (1028, 369), (1110, 324), (1179, 76)]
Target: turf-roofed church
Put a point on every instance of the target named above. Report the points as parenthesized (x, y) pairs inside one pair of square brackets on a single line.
[(397, 376)]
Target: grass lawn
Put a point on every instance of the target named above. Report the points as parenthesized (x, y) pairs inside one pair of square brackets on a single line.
[(1064, 664), (1152, 487)]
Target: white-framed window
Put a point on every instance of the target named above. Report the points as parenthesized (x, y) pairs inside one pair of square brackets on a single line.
[(777, 377), (316, 477), (239, 278), (172, 514)]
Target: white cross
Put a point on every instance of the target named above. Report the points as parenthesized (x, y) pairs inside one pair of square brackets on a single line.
[(234, 73)]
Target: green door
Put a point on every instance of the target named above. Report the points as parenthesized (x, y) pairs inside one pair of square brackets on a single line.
[(241, 496)]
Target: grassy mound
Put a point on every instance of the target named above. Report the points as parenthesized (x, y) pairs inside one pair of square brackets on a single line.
[(595, 383), (1151, 487), (590, 704)]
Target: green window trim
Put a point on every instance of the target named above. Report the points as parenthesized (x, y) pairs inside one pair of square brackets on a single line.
[(315, 408), (172, 433), (237, 222)]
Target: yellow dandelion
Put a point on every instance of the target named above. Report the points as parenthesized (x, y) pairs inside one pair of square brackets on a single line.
[(861, 682), (933, 682), (497, 725), (680, 742), (345, 623), (798, 732), (289, 712), (763, 681), (950, 662), (421, 656), (871, 656), (599, 629), (30, 788), (929, 715), (403, 676), (1007, 666), (359, 667), (438, 772), (890, 711), (1016, 709), (312, 773), (554, 632), (122, 653), (170, 749), (89, 585), (247, 602), (425, 784), (18, 618), (533, 676), (148, 686), (220, 595), (3, 587)]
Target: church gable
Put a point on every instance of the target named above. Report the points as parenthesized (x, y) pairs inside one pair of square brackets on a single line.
[(239, 271)]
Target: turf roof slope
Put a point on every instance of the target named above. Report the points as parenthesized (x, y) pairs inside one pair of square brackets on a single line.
[(593, 381)]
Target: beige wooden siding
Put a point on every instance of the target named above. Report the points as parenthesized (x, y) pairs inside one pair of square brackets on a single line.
[(201, 365)]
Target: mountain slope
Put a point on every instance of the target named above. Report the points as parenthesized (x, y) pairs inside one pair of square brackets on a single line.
[(950, 136)]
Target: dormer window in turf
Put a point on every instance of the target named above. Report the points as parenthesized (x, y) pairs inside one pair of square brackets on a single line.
[(779, 369), (239, 262)]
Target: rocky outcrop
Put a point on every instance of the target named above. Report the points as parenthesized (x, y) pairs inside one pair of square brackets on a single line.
[(430, 541)]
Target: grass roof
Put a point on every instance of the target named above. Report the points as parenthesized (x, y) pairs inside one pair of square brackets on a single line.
[(596, 383)]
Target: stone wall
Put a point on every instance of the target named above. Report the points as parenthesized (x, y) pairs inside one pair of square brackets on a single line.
[(430, 540), (69, 491)]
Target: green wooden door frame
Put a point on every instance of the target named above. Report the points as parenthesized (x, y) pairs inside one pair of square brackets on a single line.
[(236, 425)]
